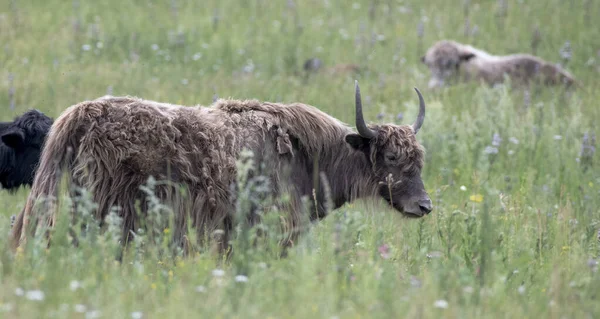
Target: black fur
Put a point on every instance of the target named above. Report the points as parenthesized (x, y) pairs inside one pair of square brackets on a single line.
[(21, 143)]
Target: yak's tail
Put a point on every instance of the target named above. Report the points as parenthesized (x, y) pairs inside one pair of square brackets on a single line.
[(57, 157)]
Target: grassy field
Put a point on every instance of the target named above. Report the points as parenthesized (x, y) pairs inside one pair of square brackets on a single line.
[(515, 230)]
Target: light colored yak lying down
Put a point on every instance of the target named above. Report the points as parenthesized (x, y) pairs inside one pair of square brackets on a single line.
[(112, 145), (449, 60)]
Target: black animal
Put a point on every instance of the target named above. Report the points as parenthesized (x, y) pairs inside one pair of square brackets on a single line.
[(20, 148)]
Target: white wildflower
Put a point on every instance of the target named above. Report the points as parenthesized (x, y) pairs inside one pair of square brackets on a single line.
[(35, 295), (19, 291), (155, 47), (80, 308), (558, 137), (6, 307), (92, 314), (415, 282), (74, 285), (137, 315), (86, 47), (442, 304), (344, 34), (403, 9), (521, 289), (463, 188), (249, 67), (218, 273), (435, 254), (241, 278), (197, 56), (514, 140), (200, 289)]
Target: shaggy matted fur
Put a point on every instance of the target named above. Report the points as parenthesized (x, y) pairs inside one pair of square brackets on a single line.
[(449, 59), (111, 146)]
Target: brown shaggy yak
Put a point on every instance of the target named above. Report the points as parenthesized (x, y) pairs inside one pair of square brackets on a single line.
[(112, 145), (448, 60)]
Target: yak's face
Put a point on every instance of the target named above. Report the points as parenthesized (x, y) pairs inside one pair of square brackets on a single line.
[(20, 148), (396, 159), (443, 60)]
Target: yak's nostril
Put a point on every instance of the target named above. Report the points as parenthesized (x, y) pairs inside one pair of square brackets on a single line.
[(425, 205)]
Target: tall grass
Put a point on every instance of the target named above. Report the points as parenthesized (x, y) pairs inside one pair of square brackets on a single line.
[(513, 175)]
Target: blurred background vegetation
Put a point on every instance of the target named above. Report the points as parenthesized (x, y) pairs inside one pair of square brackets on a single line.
[(513, 174)]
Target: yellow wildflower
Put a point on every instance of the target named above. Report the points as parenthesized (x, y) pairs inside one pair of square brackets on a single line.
[(477, 198)]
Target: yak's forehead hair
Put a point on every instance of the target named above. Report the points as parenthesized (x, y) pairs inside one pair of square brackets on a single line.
[(401, 140)]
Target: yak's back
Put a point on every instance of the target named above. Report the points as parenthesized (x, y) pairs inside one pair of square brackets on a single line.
[(147, 137), (313, 128)]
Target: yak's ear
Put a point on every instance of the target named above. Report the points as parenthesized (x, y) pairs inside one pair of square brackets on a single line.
[(14, 138), (466, 56), (358, 142)]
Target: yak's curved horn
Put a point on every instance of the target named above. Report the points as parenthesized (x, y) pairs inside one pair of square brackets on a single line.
[(419, 122), (361, 126)]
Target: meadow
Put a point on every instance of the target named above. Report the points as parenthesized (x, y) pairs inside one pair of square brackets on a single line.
[(513, 174)]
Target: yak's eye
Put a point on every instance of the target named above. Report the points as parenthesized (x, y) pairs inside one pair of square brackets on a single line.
[(391, 157)]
